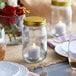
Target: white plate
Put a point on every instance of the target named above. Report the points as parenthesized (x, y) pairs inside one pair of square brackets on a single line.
[(24, 71), (60, 51), (64, 46), (72, 47), (12, 69)]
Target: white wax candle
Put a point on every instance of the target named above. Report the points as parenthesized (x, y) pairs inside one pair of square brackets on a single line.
[(34, 52), (60, 28)]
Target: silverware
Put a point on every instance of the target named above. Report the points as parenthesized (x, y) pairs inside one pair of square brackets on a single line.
[(43, 73)]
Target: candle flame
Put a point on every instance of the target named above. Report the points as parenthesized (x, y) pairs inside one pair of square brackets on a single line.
[(60, 22), (34, 45)]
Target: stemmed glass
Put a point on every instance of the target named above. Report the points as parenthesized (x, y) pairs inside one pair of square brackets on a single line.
[(72, 51)]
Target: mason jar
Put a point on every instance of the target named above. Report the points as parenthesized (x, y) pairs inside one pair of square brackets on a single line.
[(34, 39), (61, 17)]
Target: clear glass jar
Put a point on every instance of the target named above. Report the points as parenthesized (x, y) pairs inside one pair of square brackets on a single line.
[(34, 39), (13, 28), (61, 17)]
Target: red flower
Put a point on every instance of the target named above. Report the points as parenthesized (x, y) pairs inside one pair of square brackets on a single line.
[(8, 15), (9, 11), (20, 11)]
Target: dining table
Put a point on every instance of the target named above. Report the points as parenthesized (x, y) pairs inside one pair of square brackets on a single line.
[(54, 64), (61, 68)]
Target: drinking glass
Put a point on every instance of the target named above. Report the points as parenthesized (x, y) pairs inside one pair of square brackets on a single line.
[(2, 43), (72, 51)]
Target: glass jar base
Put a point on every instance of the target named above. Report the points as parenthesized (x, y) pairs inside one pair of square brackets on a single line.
[(13, 42), (73, 68), (30, 60), (55, 35), (33, 60)]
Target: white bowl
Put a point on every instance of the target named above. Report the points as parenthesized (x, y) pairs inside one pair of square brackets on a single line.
[(12, 69)]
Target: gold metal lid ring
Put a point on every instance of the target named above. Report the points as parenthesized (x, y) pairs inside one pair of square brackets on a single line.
[(34, 21)]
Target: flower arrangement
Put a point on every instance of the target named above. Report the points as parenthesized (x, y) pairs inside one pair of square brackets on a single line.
[(8, 17)]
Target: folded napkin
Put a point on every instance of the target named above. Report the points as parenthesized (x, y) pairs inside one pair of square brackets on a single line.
[(52, 42), (32, 74)]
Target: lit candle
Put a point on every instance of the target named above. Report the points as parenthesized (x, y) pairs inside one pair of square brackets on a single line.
[(34, 52), (60, 28)]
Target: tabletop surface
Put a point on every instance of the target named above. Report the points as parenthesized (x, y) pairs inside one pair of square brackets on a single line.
[(60, 69)]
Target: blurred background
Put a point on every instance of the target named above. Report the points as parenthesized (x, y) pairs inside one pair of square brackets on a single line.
[(43, 8)]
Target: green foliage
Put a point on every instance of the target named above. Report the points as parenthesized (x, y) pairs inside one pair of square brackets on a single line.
[(1, 1)]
